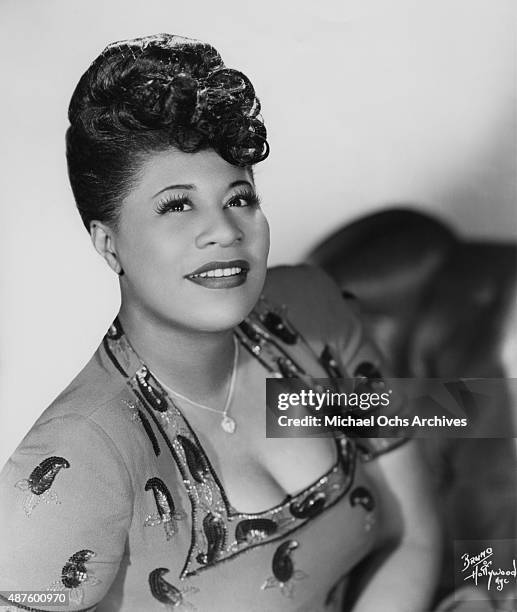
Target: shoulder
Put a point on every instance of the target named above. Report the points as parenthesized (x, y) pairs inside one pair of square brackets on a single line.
[(314, 303), (67, 435), (95, 414), (94, 386), (93, 395), (74, 445)]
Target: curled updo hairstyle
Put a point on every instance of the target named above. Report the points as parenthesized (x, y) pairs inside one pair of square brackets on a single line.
[(146, 95)]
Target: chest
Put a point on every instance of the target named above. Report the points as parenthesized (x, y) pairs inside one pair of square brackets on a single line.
[(206, 498), (255, 471)]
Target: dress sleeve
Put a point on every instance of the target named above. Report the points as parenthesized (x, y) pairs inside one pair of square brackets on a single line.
[(65, 510), (361, 359)]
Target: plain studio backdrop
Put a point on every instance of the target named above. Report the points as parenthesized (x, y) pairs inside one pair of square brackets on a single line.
[(367, 104)]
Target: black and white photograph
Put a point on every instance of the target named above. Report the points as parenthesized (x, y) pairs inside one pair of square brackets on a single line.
[(258, 332)]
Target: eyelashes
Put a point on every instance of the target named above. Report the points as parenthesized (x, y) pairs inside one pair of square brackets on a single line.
[(173, 203), (182, 203), (250, 197)]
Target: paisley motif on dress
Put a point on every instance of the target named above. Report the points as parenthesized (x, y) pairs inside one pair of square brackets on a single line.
[(166, 593), (138, 416), (40, 481), (284, 572), (166, 514), (219, 531), (75, 576), (151, 391)]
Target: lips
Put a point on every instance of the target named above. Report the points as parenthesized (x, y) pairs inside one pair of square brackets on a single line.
[(220, 266), (220, 274)]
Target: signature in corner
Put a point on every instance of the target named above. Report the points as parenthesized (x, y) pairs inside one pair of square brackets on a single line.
[(481, 566)]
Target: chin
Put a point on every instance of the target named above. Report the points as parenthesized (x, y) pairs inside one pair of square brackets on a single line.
[(217, 315), (221, 310), (215, 324)]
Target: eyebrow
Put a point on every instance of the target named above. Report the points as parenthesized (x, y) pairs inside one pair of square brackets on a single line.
[(188, 187), (173, 187)]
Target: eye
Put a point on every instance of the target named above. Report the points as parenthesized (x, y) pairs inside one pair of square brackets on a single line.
[(173, 204), (245, 198)]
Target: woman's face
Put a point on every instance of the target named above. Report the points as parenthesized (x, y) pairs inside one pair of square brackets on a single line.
[(192, 241)]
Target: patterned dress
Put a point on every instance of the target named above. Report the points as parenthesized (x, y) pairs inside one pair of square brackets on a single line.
[(112, 500)]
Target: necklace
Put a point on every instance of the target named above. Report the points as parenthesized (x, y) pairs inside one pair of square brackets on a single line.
[(228, 424)]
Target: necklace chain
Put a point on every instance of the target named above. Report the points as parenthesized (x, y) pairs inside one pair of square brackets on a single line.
[(227, 423)]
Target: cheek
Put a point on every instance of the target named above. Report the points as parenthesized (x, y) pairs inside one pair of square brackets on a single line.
[(261, 236), (145, 255)]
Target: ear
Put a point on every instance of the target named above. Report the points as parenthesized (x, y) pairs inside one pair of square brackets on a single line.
[(103, 239)]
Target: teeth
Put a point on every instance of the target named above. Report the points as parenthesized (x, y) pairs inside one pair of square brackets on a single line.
[(217, 273)]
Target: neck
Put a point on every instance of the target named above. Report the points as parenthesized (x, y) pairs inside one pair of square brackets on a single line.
[(195, 363)]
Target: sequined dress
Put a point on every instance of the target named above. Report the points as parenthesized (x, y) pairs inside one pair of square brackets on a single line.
[(112, 499)]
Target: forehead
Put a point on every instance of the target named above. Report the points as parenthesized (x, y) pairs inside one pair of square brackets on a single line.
[(204, 169)]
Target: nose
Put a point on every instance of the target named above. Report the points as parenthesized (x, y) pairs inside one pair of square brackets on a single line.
[(219, 228)]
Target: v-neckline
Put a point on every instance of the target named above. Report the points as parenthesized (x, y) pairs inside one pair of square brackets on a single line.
[(231, 510), (227, 531)]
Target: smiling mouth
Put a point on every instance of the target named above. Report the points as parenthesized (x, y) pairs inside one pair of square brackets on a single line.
[(220, 274)]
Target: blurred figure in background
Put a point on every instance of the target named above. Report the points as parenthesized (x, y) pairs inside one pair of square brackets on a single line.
[(441, 307)]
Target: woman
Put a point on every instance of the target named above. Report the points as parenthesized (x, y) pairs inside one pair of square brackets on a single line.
[(160, 488)]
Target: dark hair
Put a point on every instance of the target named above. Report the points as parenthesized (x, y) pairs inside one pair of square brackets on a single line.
[(147, 95)]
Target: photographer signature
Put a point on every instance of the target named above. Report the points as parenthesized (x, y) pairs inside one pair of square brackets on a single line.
[(481, 566)]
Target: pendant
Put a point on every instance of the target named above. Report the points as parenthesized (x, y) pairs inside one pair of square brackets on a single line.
[(228, 425)]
